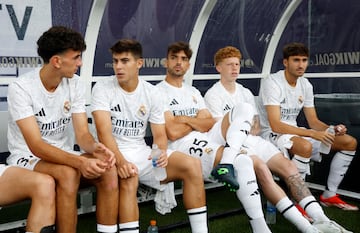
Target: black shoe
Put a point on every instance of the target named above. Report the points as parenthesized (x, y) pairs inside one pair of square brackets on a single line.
[(225, 174)]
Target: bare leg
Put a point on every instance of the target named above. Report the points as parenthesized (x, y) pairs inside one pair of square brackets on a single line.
[(67, 184), (40, 188), (188, 169), (265, 179), (107, 194), (128, 205), (288, 172), (277, 196)]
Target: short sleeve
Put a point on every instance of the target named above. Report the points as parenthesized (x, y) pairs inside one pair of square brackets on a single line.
[(158, 106), (19, 102), (99, 97), (271, 92), (309, 95), (214, 104), (77, 92)]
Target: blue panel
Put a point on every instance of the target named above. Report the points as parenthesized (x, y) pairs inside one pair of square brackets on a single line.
[(154, 23), (331, 29), (335, 85), (247, 25), (73, 14)]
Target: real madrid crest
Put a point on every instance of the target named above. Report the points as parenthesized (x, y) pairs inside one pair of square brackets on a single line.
[(142, 111), (208, 150), (301, 99), (67, 106)]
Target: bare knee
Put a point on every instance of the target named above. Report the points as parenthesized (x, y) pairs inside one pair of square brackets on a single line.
[(69, 180), (301, 147), (129, 185), (108, 181), (193, 169), (44, 189), (351, 143)]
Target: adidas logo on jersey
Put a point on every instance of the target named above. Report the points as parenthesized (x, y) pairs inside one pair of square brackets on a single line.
[(226, 108), (41, 113), (174, 102), (116, 108), (283, 101)]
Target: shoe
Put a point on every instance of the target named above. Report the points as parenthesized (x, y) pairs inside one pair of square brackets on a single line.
[(225, 174), (336, 201), (312, 229), (304, 214), (342, 230), (326, 227)]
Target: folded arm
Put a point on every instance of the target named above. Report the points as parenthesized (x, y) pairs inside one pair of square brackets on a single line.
[(179, 126)]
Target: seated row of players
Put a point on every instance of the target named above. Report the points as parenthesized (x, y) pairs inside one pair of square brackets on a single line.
[(232, 137), (48, 103), (282, 96)]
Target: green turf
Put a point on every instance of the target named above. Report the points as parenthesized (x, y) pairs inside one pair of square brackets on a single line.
[(225, 216), (224, 213)]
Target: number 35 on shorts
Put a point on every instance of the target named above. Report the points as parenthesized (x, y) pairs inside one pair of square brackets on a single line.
[(199, 147)]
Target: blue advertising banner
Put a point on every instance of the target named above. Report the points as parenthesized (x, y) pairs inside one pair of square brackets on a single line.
[(155, 24), (331, 30)]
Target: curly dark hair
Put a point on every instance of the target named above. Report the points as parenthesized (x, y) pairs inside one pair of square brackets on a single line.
[(57, 40)]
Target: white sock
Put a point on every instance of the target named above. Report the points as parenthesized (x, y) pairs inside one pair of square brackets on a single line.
[(129, 227), (228, 156), (302, 164), (259, 226), (236, 134), (338, 168), (198, 220), (313, 209), (249, 194), (292, 214), (106, 228)]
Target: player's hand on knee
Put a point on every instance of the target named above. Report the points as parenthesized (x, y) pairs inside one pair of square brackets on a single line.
[(126, 170), (103, 153), (93, 168), (340, 129)]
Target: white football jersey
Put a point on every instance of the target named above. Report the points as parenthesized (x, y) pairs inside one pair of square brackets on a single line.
[(275, 90), (181, 101), (28, 97), (130, 112), (220, 101)]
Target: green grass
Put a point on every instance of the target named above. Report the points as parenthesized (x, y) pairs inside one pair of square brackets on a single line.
[(225, 216), (224, 212)]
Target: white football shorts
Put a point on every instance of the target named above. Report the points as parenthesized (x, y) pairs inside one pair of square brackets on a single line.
[(139, 156)]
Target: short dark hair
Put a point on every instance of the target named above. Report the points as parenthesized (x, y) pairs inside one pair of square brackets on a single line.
[(295, 49), (127, 45), (180, 46), (57, 40)]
